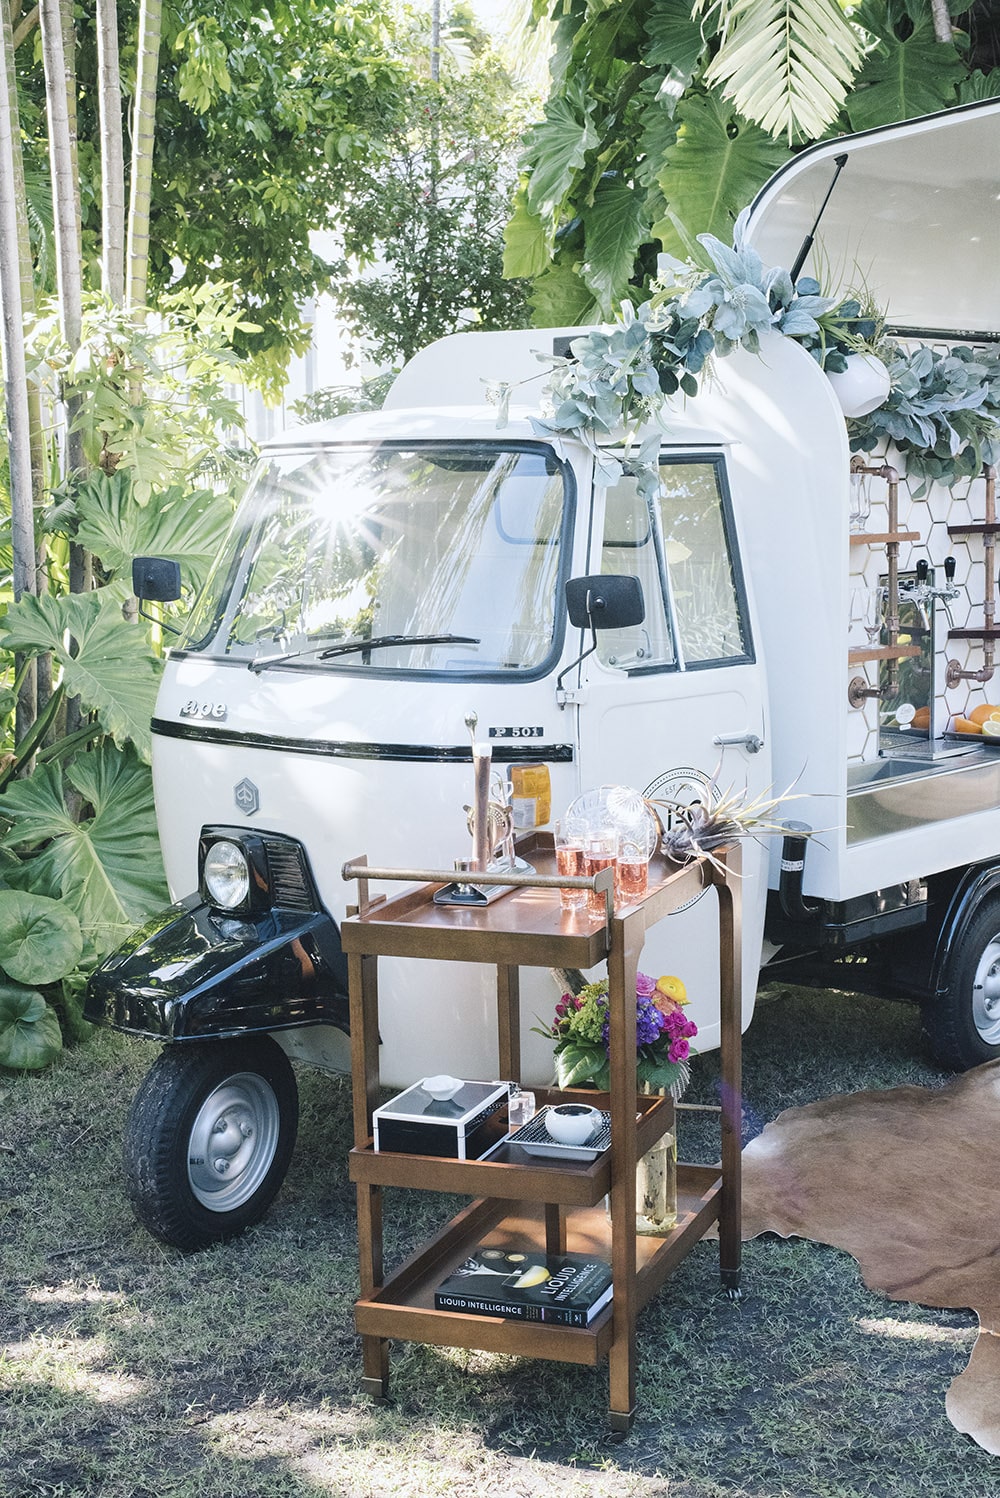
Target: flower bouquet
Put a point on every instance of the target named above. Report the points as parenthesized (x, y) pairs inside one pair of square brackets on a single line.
[(663, 1035)]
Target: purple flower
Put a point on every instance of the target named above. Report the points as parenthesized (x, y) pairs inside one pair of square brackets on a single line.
[(644, 985), (679, 1050), (648, 1022)]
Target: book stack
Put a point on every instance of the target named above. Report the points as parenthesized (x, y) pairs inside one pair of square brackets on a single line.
[(526, 1285)]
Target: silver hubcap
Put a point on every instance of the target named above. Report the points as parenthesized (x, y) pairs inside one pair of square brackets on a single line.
[(986, 994), (233, 1142)]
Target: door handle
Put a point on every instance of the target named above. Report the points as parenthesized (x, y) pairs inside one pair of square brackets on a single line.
[(751, 742)]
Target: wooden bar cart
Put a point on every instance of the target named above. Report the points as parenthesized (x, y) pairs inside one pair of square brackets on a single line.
[(520, 1200)]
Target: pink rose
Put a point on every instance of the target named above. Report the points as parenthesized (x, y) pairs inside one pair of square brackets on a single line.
[(679, 1050), (645, 986)]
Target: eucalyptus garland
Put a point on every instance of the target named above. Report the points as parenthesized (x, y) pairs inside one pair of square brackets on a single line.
[(943, 413), (943, 410)]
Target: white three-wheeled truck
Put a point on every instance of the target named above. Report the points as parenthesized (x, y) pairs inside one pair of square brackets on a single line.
[(390, 573)]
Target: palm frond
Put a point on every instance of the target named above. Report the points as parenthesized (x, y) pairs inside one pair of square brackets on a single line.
[(787, 65)]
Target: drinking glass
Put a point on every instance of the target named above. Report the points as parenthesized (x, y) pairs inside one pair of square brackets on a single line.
[(631, 869), (599, 850), (569, 836), (861, 504), (520, 1106), (874, 618), (637, 841)]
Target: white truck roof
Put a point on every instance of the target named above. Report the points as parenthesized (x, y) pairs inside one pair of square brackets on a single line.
[(914, 218)]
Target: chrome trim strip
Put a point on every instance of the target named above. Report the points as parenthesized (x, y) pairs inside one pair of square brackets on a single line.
[(530, 752)]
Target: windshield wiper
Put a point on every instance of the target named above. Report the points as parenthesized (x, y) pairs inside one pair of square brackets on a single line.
[(278, 660), (350, 647), (382, 642)]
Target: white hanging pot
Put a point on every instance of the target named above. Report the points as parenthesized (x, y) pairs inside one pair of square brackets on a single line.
[(862, 386)]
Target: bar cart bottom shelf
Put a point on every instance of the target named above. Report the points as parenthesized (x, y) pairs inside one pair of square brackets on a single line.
[(404, 1306)]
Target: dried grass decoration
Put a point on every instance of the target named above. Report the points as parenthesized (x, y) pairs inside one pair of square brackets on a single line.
[(716, 818)]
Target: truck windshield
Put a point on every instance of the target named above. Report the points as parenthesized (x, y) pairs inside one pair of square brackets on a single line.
[(446, 557)]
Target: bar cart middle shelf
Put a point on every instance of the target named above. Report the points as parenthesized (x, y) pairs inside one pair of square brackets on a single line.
[(519, 1201)]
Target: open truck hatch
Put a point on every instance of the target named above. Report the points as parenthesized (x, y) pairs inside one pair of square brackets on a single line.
[(914, 219)]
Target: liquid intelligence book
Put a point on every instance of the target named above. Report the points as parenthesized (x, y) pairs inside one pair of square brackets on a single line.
[(563, 1289)]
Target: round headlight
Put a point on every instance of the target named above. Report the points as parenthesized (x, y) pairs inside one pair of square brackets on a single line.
[(226, 875)]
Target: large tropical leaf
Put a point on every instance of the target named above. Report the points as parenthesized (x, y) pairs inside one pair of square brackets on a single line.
[(558, 147), (675, 39), (106, 867), (979, 86), (188, 528), (614, 228), (29, 1032), (902, 79), (114, 673), (40, 940), (658, 134), (717, 166), (787, 64), (527, 242), (560, 298)]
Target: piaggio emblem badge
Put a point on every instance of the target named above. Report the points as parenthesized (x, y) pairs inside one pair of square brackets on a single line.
[(247, 797)]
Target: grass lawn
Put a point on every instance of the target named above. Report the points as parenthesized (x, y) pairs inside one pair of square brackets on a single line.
[(129, 1371)]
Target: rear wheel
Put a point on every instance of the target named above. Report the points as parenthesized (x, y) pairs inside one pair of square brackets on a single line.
[(208, 1139), (962, 1025)]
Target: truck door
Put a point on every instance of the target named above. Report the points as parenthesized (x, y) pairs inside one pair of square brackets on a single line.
[(679, 701)]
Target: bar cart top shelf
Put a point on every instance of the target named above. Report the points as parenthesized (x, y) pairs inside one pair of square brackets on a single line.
[(526, 927)]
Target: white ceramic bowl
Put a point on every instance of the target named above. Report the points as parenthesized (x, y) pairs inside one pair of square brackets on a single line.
[(571, 1123), (441, 1088)]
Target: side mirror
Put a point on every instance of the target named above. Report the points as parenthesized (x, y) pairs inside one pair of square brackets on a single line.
[(605, 601), (156, 580)]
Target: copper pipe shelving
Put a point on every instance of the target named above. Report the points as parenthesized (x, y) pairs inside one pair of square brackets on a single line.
[(989, 633)]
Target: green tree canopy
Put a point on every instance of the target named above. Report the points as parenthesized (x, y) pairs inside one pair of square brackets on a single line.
[(269, 113), (425, 230)]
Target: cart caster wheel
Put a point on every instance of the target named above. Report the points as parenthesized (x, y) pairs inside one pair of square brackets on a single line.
[(731, 1284)]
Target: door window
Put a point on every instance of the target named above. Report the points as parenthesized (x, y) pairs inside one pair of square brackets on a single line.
[(680, 546)]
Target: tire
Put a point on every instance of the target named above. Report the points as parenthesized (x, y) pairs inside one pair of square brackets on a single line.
[(962, 1023), (208, 1139)]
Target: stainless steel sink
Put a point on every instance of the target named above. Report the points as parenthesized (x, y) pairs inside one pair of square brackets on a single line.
[(878, 770)]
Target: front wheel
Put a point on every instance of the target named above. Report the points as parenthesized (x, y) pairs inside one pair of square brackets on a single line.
[(962, 1024), (209, 1137)]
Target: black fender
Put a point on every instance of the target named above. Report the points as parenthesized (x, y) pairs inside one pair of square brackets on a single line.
[(974, 885), (193, 972)]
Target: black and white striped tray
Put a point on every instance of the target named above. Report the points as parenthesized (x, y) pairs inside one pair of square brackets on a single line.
[(535, 1139)]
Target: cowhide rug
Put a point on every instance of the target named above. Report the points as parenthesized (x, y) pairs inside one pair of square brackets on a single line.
[(908, 1182)]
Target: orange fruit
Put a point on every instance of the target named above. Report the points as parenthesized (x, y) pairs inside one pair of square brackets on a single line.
[(921, 718), (983, 711), (965, 725)]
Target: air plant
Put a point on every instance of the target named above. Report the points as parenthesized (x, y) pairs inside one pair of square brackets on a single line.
[(696, 829)]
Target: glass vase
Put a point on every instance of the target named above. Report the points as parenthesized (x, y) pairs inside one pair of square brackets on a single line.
[(656, 1189)]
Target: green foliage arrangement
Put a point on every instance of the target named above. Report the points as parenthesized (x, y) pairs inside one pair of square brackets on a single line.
[(616, 380), (943, 410), (943, 413)]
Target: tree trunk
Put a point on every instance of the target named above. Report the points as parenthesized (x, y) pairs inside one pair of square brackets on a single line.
[(112, 153), (942, 21), (13, 239), (143, 131)]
